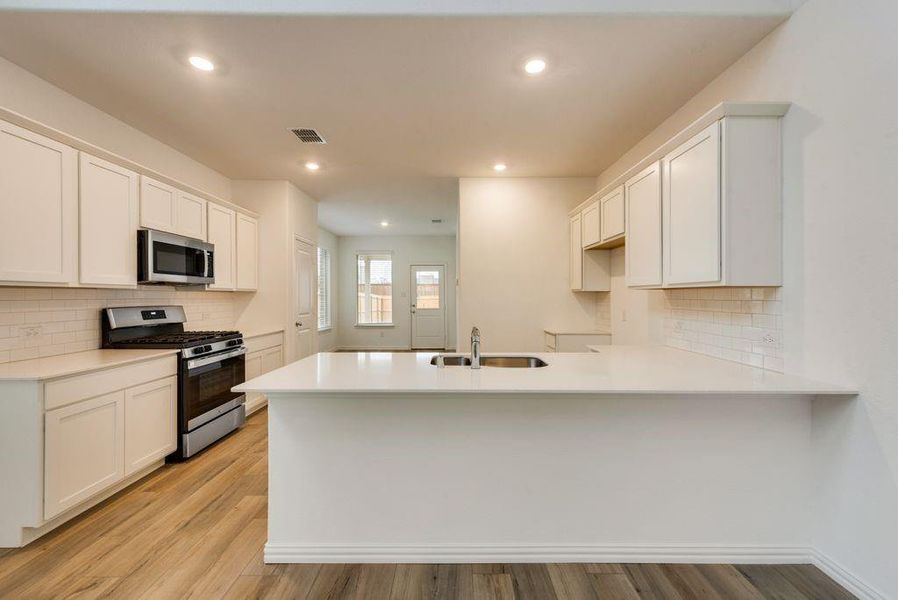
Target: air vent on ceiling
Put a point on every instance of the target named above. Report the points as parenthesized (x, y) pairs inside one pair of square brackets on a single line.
[(309, 136), (436, 220)]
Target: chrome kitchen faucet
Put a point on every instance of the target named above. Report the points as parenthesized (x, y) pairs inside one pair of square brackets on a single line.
[(475, 348)]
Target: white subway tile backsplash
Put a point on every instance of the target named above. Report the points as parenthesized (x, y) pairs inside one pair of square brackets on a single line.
[(39, 322), (740, 324)]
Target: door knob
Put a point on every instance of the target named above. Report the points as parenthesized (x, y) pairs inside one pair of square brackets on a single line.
[(298, 323)]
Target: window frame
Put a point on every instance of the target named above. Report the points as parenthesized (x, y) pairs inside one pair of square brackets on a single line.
[(379, 254), (329, 323)]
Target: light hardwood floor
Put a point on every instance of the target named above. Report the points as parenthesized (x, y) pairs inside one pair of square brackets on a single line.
[(196, 530)]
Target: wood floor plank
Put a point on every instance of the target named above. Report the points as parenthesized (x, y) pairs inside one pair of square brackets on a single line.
[(197, 529), (493, 586), (729, 582), (571, 582), (531, 581), (812, 582), (689, 582), (651, 583), (414, 581), (771, 583), (295, 582), (614, 586)]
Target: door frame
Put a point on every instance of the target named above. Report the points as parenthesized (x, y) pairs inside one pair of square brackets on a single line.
[(413, 289)]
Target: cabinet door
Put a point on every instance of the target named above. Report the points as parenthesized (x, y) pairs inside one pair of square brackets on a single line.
[(247, 253), (612, 211), (38, 208), (590, 225), (108, 211), (158, 205), (692, 210), (84, 450), (642, 195), (222, 233), (252, 369), (272, 358), (576, 254), (151, 413), (191, 216)]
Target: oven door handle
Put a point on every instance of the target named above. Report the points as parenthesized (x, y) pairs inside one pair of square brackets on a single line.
[(208, 360)]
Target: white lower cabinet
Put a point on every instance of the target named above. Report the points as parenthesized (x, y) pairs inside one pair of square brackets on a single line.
[(84, 451), (108, 425), (151, 412), (266, 353)]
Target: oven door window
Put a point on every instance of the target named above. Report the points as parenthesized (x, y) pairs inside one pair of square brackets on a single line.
[(209, 386), (171, 259)]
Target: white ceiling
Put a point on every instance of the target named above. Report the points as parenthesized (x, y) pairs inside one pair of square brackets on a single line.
[(407, 104)]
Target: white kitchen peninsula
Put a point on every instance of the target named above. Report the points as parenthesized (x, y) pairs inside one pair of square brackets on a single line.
[(630, 454)]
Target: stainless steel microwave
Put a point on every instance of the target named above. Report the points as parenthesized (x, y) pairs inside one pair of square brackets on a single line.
[(169, 258)]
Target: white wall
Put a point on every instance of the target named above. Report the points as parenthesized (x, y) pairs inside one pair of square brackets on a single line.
[(327, 340), (28, 95), (513, 265), (407, 250), (636, 316), (836, 61)]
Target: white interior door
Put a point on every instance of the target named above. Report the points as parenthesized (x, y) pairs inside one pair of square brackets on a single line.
[(428, 308), (304, 278)]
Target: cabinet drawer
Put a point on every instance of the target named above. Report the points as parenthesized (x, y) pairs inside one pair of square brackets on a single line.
[(263, 342), (61, 392)]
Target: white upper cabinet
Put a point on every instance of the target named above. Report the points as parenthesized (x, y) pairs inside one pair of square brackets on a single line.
[(158, 205), (191, 217), (643, 216), (611, 209), (108, 211), (591, 225), (166, 208), (576, 262), (222, 232), (247, 253), (692, 210), (38, 208), (722, 206), (590, 269)]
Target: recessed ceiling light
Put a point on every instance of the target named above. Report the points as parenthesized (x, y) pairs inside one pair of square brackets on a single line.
[(499, 167), (201, 63), (535, 66), (312, 166), (384, 223)]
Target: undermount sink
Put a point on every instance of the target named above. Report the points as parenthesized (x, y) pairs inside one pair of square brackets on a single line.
[(507, 362)]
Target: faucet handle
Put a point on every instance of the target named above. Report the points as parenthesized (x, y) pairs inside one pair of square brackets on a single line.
[(475, 333)]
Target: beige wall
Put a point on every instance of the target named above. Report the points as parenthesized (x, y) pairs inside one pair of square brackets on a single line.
[(835, 60), (406, 250), (284, 211), (28, 95), (636, 315), (513, 260)]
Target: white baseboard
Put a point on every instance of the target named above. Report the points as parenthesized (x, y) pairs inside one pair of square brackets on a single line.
[(535, 553), (845, 578)]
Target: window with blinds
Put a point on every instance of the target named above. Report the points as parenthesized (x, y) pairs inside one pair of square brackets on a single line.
[(375, 289), (324, 289)]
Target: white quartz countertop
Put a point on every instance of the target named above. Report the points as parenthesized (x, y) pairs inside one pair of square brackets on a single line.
[(612, 370), (37, 369)]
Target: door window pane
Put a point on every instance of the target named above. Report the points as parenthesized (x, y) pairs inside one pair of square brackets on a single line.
[(375, 289), (427, 292)]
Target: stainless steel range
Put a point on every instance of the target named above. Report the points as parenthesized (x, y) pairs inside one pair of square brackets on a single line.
[(211, 363)]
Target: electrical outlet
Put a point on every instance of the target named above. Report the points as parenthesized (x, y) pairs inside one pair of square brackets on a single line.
[(623, 315), (381, 334), (32, 331), (769, 339)]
